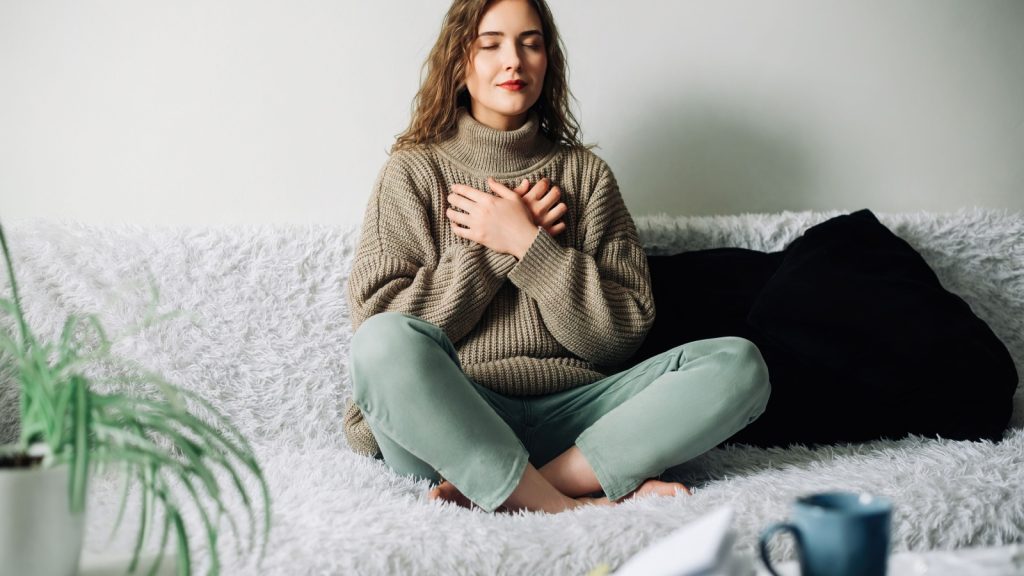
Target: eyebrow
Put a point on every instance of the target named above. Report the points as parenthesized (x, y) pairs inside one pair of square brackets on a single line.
[(521, 34)]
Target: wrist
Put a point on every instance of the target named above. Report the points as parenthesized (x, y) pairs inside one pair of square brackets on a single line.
[(529, 239)]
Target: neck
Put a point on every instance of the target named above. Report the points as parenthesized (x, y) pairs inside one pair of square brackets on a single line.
[(495, 120)]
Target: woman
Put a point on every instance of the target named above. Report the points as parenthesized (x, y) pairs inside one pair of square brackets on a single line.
[(491, 327)]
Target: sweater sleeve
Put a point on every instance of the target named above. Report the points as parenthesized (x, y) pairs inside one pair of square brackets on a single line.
[(597, 302), (399, 267)]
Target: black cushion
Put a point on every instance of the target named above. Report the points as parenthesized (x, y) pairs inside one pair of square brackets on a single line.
[(860, 338), (704, 294)]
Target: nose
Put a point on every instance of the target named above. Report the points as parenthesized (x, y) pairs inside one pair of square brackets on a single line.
[(513, 60)]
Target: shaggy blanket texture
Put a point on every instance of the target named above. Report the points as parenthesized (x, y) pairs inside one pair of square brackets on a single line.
[(266, 340)]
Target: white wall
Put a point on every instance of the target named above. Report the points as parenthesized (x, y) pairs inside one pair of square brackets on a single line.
[(259, 111)]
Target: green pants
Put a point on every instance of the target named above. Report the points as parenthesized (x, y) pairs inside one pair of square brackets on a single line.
[(430, 419)]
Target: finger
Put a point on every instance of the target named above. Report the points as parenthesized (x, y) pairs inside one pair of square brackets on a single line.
[(538, 190), (500, 189), (556, 229), (551, 198), (469, 192), (461, 232), (523, 187), (554, 215), (457, 217), (460, 201)]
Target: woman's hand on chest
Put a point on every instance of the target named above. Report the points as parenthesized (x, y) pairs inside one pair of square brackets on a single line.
[(497, 221), (501, 221)]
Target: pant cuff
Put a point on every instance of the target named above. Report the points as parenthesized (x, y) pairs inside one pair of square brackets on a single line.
[(491, 503), (613, 488)]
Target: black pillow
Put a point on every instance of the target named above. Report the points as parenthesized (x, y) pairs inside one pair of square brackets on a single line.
[(891, 351), (703, 294), (860, 338)]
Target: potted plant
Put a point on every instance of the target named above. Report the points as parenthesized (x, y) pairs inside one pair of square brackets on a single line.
[(70, 429)]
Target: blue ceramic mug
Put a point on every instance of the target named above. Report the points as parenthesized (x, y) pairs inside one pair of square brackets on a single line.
[(837, 534)]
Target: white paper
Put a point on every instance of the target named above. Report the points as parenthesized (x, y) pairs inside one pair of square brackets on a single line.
[(702, 547)]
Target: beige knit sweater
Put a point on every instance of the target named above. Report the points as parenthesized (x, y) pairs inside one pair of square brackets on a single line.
[(569, 313)]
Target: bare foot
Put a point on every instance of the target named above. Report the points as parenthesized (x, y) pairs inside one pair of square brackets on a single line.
[(656, 487), (448, 492), (649, 487)]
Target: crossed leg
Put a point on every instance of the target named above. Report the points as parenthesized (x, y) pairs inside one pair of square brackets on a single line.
[(562, 484), (710, 389)]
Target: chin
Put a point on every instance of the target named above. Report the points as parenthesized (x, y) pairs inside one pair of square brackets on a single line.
[(514, 109), (516, 112), (508, 106)]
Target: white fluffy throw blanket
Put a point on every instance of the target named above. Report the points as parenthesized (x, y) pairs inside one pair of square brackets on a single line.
[(267, 343)]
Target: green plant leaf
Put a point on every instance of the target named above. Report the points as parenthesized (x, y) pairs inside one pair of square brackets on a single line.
[(164, 533), (184, 561), (145, 513), (159, 487), (153, 487), (211, 531), (250, 462), (197, 454), (18, 314), (126, 476), (144, 450), (64, 398), (80, 454), (191, 450), (67, 333)]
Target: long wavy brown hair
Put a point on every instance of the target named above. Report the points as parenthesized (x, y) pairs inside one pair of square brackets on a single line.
[(443, 89)]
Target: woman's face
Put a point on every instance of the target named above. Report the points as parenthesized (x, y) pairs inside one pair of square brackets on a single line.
[(507, 63)]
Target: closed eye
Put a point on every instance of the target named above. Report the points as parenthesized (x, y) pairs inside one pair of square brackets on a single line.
[(530, 46)]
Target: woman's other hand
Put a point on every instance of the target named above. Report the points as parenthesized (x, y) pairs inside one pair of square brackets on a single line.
[(502, 223), (543, 201)]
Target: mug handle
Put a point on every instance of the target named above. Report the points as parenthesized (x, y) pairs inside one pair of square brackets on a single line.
[(767, 535)]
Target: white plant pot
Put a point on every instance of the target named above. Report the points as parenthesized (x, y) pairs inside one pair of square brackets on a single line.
[(38, 534)]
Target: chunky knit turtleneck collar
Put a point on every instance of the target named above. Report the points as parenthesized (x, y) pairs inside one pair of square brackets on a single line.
[(490, 152)]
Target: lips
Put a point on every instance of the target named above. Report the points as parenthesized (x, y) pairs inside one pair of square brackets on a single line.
[(514, 85)]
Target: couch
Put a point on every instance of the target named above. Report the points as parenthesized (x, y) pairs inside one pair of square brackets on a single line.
[(265, 337)]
